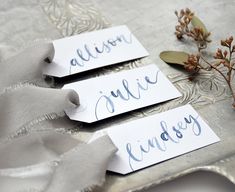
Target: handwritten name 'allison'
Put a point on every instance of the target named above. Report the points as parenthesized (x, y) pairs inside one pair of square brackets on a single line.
[(87, 53), (137, 152)]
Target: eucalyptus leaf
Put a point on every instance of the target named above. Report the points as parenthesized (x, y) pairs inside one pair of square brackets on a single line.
[(174, 57), (196, 22)]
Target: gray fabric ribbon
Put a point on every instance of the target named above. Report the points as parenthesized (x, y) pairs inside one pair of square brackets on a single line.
[(36, 152), (26, 66)]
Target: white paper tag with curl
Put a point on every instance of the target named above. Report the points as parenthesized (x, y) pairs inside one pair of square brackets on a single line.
[(92, 50), (157, 138), (113, 94)]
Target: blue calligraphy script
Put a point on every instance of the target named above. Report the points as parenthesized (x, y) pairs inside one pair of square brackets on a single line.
[(167, 134), (108, 101), (87, 53)]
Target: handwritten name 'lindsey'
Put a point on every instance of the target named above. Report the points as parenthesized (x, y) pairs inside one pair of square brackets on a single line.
[(86, 52), (137, 152)]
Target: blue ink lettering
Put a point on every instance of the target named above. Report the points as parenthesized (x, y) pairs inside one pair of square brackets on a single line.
[(137, 154), (165, 135), (197, 129), (87, 53), (124, 95)]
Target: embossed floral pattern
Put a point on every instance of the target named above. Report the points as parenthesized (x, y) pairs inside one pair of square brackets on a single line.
[(73, 16)]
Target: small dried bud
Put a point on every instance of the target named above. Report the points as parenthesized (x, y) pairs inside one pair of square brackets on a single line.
[(222, 42), (189, 68), (188, 11), (233, 49), (192, 64), (185, 19), (208, 34), (225, 53), (198, 35), (218, 54), (178, 35), (178, 28), (219, 51), (231, 39), (222, 62), (182, 13), (181, 23)]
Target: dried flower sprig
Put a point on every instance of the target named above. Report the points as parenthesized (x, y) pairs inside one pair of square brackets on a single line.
[(223, 61), (184, 18), (198, 32), (192, 65)]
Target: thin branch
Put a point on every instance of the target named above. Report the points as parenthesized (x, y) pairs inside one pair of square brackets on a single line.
[(226, 79)]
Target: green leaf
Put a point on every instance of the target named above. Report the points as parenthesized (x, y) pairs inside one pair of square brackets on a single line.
[(174, 57), (196, 22)]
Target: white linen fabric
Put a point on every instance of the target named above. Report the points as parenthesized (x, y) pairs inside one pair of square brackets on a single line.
[(37, 153)]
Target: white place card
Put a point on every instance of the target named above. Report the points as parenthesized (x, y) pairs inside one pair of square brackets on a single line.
[(92, 50), (156, 138), (117, 93)]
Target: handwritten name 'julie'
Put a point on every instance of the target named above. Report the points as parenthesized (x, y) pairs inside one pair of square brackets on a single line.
[(137, 151), (87, 53), (106, 102)]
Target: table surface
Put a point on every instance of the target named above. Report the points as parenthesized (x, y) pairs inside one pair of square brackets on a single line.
[(152, 22), (196, 182)]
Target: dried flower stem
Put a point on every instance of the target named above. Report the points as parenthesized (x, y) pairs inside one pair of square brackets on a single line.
[(200, 37), (228, 76), (221, 73)]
